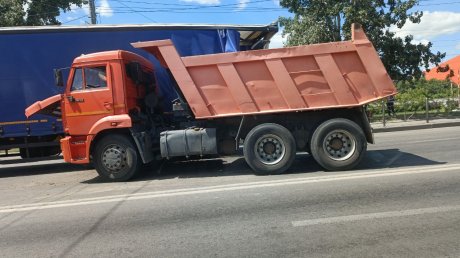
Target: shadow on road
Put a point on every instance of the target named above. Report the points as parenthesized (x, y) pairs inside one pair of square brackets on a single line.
[(393, 158), (10, 160), (13, 167), (304, 163)]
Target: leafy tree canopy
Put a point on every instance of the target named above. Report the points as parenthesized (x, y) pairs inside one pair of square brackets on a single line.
[(317, 21), (34, 12)]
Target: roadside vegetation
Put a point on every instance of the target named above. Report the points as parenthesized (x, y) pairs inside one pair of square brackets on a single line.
[(34, 12), (414, 97), (404, 59)]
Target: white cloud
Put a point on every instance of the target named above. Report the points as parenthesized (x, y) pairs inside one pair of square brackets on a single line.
[(104, 9), (242, 4), (432, 25), (205, 2), (422, 41), (457, 46), (277, 40), (75, 9), (276, 2)]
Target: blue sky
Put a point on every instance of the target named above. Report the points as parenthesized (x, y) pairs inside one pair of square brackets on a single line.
[(440, 23), (183, 11)]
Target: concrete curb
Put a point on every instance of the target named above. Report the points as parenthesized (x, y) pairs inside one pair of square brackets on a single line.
[(414, 127)]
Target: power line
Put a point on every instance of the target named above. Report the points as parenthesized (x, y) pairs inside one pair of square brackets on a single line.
[(145, 16), (191, 7), (81, 17), (188, 12), (194, 6), (444, 40), (185, 8)]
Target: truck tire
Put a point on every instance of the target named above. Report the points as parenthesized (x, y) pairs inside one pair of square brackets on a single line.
[(116, 159), (269, 149), (338, 144)]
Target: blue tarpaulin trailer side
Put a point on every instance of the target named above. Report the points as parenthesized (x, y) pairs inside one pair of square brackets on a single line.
[(29, 55)]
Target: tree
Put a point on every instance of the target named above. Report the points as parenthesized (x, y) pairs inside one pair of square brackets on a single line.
[(318, 21), (34, 12)]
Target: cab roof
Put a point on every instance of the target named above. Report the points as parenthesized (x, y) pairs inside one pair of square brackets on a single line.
[(112, 55)]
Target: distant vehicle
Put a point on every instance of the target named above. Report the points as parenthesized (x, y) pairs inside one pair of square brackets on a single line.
[(278, 102), (29, 54)]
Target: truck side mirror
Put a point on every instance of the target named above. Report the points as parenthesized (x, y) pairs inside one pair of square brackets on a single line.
[(58, 78)]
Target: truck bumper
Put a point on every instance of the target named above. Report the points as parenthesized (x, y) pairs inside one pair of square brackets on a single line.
[(75, 149)]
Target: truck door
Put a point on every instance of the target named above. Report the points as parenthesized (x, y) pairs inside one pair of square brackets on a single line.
[(88, 98)]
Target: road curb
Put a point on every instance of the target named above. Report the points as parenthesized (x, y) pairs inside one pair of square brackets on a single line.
[(415, 127)]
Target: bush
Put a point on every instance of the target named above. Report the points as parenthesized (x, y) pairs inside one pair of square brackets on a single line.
[(412, 96)]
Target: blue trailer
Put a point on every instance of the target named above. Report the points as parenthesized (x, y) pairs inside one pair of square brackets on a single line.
[(28, 56)]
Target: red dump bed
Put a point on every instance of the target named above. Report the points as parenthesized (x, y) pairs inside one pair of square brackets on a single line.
[(321, 76)]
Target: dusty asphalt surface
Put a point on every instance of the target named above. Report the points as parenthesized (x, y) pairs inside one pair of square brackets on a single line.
[(403, 201)]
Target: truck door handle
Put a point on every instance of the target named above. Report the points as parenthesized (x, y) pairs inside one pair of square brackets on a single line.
[(73, 99), (108, 105)]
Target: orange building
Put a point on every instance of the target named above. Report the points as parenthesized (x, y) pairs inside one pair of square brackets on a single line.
[(450, 67)]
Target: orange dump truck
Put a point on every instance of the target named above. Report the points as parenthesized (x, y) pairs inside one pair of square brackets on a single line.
[(272, 103)]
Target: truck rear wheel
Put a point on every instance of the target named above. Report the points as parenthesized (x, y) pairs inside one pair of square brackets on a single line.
[(269, 149), (115, 158), (338, 144)]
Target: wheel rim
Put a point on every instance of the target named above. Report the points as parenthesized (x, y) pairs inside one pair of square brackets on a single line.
[(114, 158), (269, 149), (339, 145)]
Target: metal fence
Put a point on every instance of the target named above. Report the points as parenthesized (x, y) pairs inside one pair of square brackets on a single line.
[(421, 109)]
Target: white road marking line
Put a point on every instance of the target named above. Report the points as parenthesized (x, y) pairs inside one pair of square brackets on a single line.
[(436, 140), (378, 215), (229, 187), (421, 141)]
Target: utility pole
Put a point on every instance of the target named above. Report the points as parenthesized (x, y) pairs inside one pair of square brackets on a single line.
[(92, 11)]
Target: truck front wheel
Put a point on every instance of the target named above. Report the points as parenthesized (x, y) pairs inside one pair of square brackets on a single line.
[(269, 149), (338, 144), (116, 158)]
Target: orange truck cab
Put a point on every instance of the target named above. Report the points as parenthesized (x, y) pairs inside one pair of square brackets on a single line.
[(276, 102), (102, 95)]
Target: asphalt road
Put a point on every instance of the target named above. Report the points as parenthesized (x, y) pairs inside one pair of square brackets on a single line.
[(403, 201)]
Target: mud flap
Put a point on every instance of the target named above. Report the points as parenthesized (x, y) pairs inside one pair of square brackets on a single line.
[(367, 126), (144, 146)]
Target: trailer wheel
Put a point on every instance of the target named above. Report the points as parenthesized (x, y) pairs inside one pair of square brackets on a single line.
[(269, 149), (338, 144), (115, 158)]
